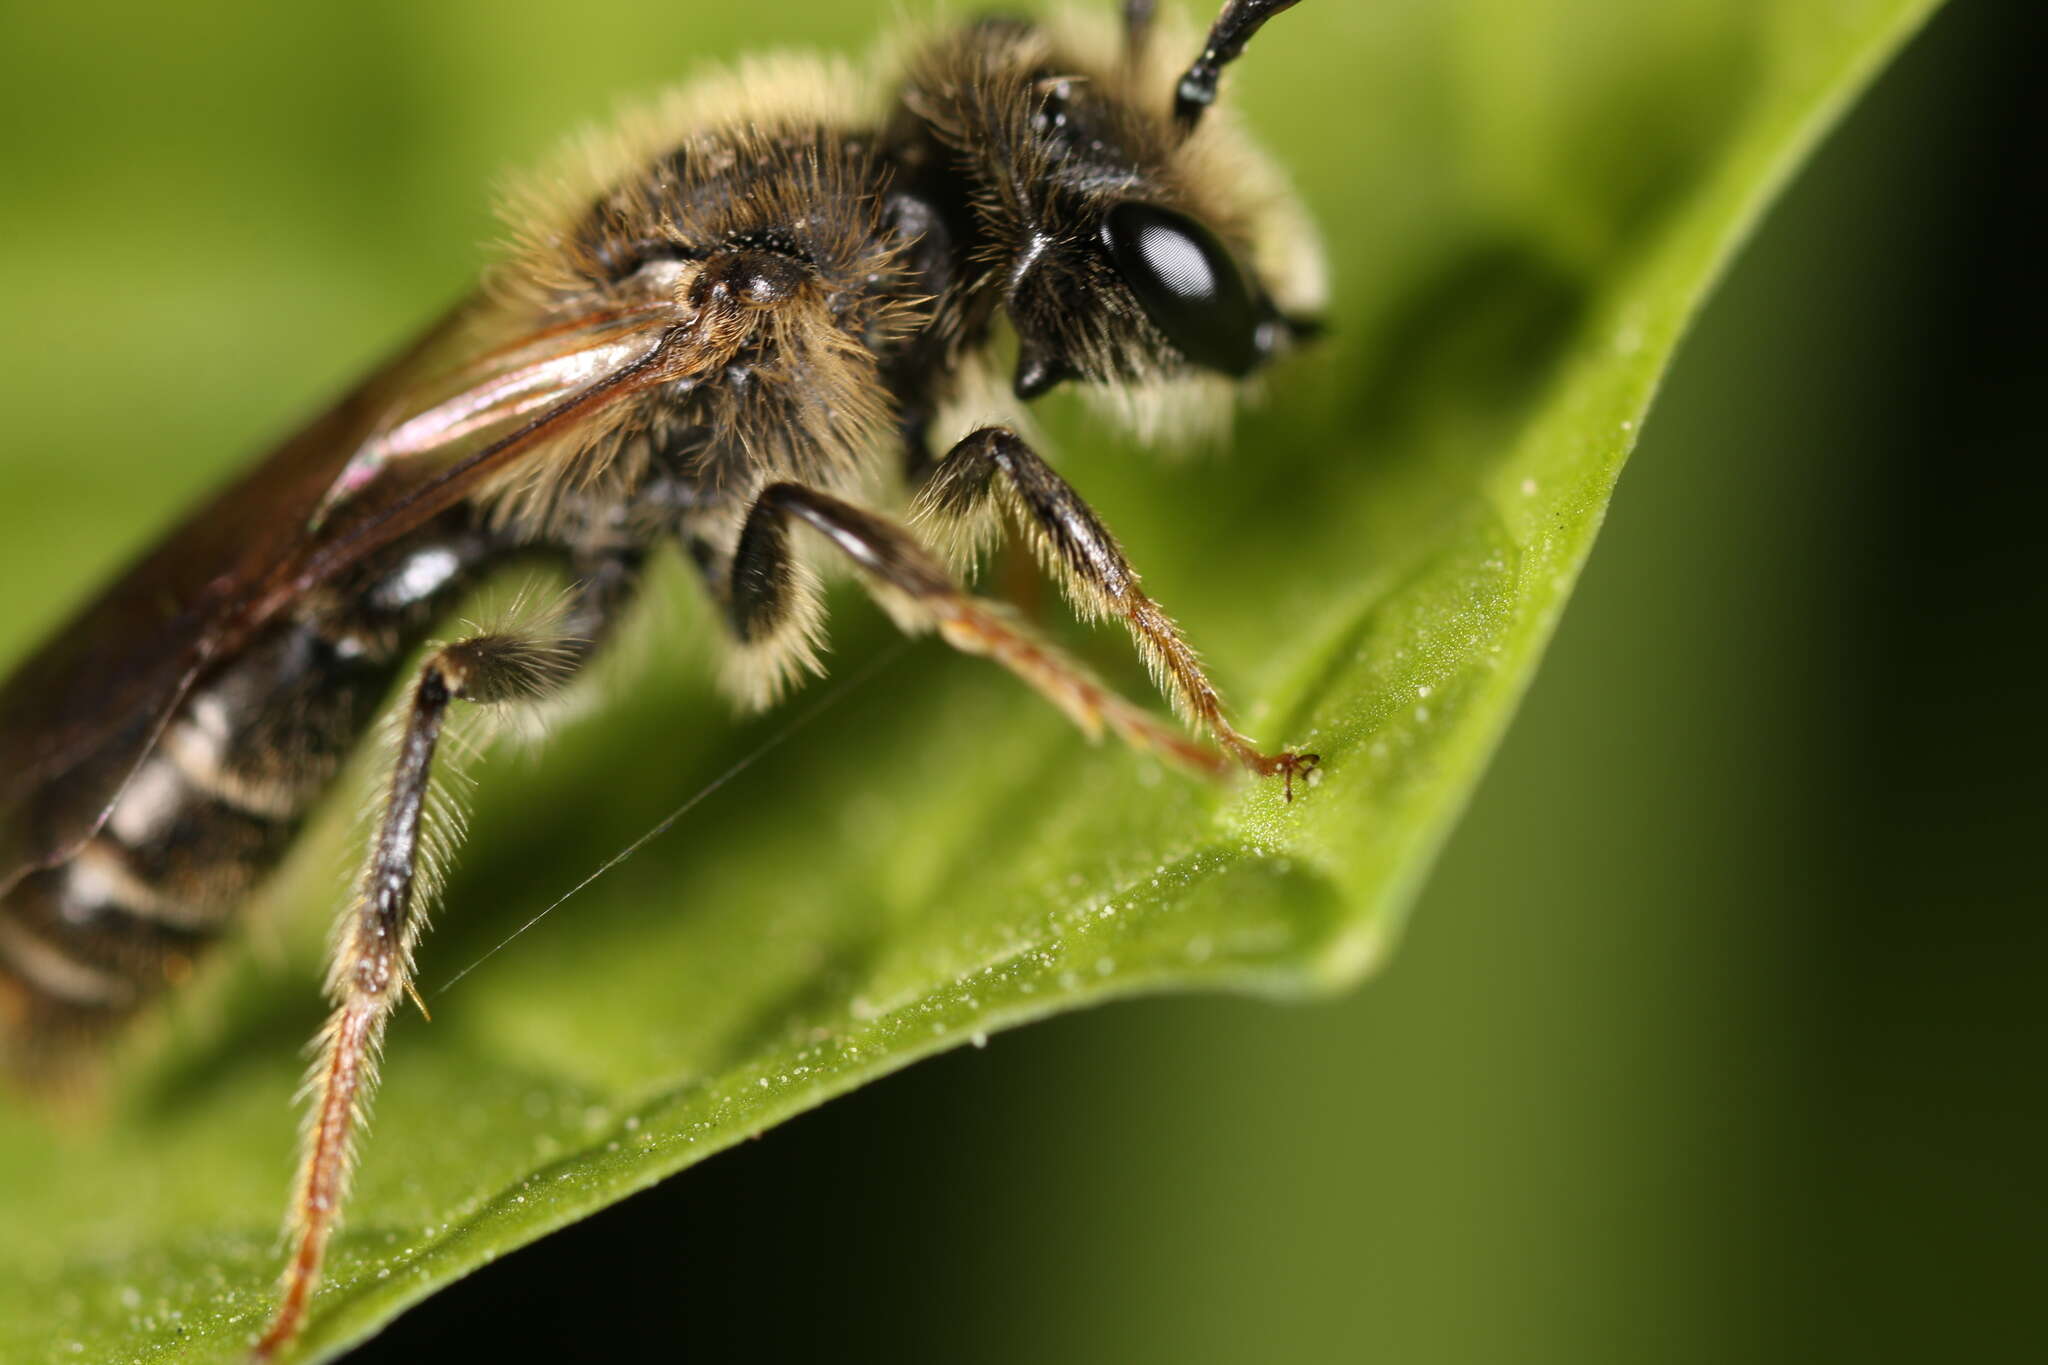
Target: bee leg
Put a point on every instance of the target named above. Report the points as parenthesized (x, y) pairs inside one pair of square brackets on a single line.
[(371, 974), (764, 592), (1080, 552)]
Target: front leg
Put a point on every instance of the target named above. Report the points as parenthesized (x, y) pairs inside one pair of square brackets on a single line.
[(769, 603), (1078, 550)]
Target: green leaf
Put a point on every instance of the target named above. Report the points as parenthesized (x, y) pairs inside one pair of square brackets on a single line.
[(1524, 206)]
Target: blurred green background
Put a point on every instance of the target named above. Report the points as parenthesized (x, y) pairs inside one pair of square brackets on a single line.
[(1717, 1033)]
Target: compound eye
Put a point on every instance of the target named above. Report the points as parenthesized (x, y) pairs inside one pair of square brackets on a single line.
[(1188, 284)]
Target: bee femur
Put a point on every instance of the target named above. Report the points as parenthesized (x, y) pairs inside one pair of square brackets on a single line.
[(1233, 28)]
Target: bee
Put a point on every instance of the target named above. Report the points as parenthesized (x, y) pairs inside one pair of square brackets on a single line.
[(724, 325)]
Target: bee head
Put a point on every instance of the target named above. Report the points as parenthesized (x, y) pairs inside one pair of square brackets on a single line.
[(1131, 235)]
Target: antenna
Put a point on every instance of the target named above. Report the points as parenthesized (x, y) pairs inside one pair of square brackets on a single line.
[(1233, 29)]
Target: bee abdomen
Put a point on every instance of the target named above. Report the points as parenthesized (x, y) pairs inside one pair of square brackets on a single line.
[(89, 941), (215, 804), (208, 812), (85, 944)]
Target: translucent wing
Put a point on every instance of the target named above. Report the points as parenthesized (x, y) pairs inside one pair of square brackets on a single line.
[(414, 439)]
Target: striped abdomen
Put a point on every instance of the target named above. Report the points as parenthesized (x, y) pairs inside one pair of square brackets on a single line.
[(213, 806)]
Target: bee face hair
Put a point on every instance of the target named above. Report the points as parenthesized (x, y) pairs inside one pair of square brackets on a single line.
[(1128, 244)]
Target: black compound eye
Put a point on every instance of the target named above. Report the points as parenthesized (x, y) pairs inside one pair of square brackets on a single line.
[(1188, 285)]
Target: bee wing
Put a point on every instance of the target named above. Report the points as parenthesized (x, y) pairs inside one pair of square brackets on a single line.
[(79, 715)]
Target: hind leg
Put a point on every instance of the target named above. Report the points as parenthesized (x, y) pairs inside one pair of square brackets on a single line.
[(372, 968)]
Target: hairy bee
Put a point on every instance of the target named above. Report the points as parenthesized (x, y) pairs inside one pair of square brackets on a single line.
[(717, 326)]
